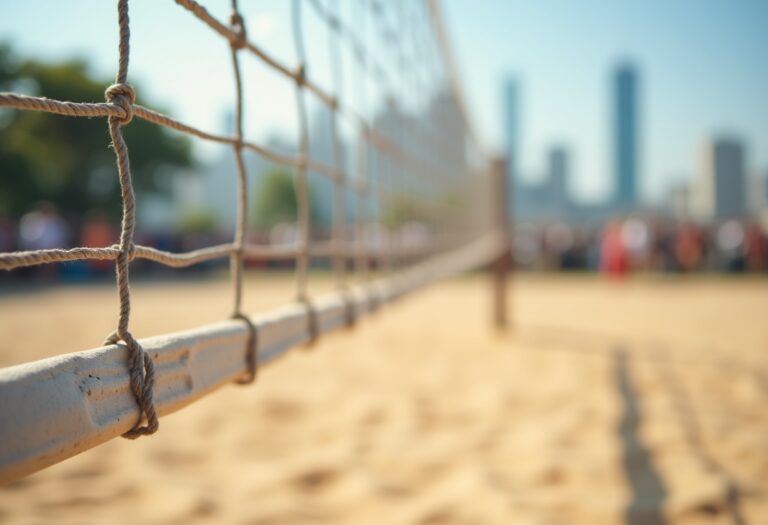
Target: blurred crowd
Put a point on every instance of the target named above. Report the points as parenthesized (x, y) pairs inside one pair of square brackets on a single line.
[(45, 228), (636, 244), (617, 248)]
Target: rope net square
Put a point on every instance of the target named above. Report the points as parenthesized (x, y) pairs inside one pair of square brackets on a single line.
[(430, 169)]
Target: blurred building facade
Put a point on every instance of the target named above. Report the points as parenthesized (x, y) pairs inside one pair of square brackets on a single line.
[(516, 185), (717, 221), (625, 136), (557, 182), (322, 149), (678, 201), (720, 190), (547, 199)]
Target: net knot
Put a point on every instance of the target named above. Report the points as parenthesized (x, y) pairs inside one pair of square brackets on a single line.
[(373, 300), (252, 355), (131, 252), (238, 24), (313, 326), (124, 96), (142, 372), (350, 311), (301, 75)]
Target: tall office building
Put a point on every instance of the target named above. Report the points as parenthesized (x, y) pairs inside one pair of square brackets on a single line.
[(679, 201), (512, 131), (625, 136), (444, 110), (763, 195), (557, 181), (512, 124), (321, 149), (720, 190)]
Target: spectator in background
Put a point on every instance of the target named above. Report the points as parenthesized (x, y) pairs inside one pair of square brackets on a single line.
[(637, 243), (7, 240), (97, 232), (689, 248), (42, 229), (730, 245), (7, 234), (614, 259), (755, 249), (661, 251)]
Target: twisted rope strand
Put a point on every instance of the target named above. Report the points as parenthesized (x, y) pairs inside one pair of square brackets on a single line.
[(13, 260), (70, 109), (142, 370), (236, 259), (301, 187), (252, 350)]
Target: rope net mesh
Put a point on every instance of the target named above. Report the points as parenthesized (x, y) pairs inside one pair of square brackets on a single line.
[(413, 186)]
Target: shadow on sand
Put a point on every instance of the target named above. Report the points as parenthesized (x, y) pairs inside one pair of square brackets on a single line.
[(689, 420), (648, 490)]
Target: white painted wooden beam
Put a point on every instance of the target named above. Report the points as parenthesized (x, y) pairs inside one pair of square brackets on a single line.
[(56, 408)]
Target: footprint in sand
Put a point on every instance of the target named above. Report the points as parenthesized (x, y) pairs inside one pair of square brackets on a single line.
[(316, 479)]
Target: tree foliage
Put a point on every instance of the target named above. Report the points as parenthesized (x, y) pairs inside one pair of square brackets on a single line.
[(68, 160), (275, 199)]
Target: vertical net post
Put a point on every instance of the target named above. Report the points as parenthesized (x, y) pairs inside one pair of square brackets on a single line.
[(301, 185), (341, 180), (369, 207), (500, 268), (366, 184), (240, 239), (142, 369)]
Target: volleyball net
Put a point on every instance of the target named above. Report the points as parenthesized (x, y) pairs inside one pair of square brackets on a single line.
[(412, 202)]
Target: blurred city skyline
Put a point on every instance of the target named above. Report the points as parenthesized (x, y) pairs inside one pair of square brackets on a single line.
[(701, 67), (702, 74)]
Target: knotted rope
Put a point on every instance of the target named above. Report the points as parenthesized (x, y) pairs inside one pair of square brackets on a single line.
[(236, 259), (252, 350), (313, 326), (142, 373), (142, 370), (350, 310), (124, 96)]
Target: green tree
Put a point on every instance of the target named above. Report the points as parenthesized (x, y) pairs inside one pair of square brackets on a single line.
[(66, 160), (275, 199), (197, 220)]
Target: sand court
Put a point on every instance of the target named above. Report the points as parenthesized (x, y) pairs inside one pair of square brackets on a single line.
[(636, 402)]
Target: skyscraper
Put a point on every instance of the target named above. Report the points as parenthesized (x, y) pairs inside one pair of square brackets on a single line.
[(625, 136), (512, 126), (515, 184), (721, 191), (679, 201), (558, 181)]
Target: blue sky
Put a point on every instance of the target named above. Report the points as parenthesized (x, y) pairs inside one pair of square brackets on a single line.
[(702, 63), (703, 67)]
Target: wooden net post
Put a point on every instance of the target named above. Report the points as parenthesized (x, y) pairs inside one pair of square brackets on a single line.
[(502, 266)]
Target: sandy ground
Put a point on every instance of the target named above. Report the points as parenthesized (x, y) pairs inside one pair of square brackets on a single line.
[(639, 402)]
